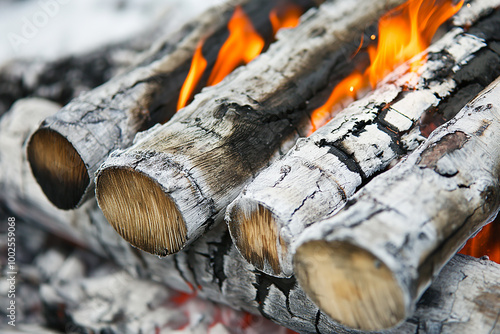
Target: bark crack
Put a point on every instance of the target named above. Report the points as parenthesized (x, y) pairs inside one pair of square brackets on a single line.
[(316, 322), (217, 257), (304, 201), (264, 282)]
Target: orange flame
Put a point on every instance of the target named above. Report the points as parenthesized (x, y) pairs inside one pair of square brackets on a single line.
[(486, 242), (287, 18), (198, 66), (241, 47), (344, 90), (404, 32)]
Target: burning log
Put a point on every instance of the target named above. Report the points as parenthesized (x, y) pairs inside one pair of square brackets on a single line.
[(191, 168), (69, 147), (395, 235), (465, 290), (317, 176)]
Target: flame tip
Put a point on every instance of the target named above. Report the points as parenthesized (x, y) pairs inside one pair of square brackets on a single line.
[(404, 32), (242, 46)]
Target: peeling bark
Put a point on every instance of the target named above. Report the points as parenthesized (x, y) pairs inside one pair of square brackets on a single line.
[(318, 175), (407, 223), (204, 156)]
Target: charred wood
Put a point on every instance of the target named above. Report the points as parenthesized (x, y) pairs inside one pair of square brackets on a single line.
[(466, 291), (318, 175), (394, 236)]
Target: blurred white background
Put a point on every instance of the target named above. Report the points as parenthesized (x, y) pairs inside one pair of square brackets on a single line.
[(54, 28)]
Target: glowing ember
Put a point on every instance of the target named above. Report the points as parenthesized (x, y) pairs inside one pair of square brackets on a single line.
[(241, 47), (182, 297), (198, 65), (403, 33), (486, 242), (285, 18)]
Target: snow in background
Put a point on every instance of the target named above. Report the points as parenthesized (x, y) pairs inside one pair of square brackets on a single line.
[(52, 28)]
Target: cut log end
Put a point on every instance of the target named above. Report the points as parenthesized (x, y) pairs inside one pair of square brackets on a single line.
[(58, 168), (255, 234), (350, 285), (140, 211)]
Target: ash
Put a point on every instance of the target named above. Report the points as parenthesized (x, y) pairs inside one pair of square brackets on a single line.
[(61, 287)]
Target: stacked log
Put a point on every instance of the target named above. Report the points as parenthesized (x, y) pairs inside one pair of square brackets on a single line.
[(393, 237), (19, 191), (318, 175), (69, 147), (214, 268), (464, 291), (191, 168)]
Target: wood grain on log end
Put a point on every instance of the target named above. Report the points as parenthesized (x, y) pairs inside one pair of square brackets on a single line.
[(255, 235), (141, 212), (58, 168), (350, 285)]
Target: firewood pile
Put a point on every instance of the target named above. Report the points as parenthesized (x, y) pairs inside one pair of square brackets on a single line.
[(315, 165)]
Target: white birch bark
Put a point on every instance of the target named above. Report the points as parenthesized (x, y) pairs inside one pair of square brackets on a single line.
[(204, 156), (19, 191), (463, 299), (394, 236), (317, 176)]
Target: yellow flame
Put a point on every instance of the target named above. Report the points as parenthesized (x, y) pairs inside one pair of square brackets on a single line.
[(198, 66), (404, 32), (241, 47)]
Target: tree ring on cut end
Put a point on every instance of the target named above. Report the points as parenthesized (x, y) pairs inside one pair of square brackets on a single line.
[(140, 211), (350, 284), (58, 168), (254, 230)]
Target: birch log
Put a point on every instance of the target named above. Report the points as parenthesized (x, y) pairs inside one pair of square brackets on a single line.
[(317, 176), (389, 242), (19, 191), (191, 168), (69, 146), (466, 290)]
